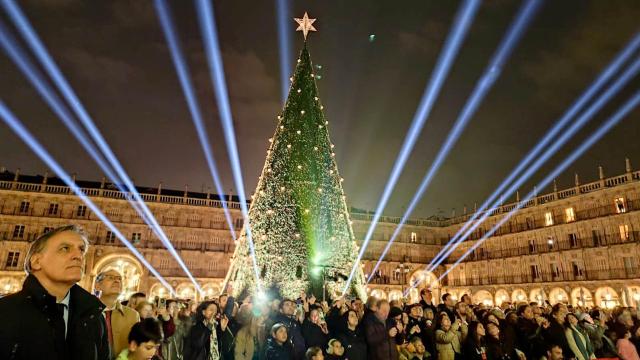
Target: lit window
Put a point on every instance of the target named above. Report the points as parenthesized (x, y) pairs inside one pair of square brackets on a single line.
[(548, 218), (414, 237), (624, 232), (570, 214), (621, 206)]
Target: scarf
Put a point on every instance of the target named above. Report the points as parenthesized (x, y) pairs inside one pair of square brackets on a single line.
[(583, 344)]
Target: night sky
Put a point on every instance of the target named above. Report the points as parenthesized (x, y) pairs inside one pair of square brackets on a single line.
[(114, 55)]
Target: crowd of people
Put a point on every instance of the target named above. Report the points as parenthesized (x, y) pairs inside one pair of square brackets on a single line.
[(54, 318)]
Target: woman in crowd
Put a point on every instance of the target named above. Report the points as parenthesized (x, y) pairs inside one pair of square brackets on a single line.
[(335, 350), (495, 345), (449, 336), (249, 339), (474, 345), (202, 342), (577, 339), (352, 338), (314, 329), (626, 349)]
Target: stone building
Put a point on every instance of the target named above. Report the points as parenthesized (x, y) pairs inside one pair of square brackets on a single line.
[(579, 245)]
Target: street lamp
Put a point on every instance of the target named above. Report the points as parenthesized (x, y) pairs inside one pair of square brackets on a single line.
[(403, 269)]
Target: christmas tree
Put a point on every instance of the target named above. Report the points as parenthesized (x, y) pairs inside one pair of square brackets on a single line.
[(298, 216)]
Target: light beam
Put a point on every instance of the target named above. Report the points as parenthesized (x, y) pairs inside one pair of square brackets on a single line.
[(208, 28), (461, 25), (16, 125), (592, 139), (187, 88), (33, 41), (602, 79), (486, 82)]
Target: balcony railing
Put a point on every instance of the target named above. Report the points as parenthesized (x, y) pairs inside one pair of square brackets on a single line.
[(513, 227), (545, 277), (557, 245)]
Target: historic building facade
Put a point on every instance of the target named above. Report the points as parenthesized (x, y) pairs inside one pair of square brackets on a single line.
[(579, 245)]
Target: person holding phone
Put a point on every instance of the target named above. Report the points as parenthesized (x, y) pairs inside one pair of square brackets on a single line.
[(202, 342)]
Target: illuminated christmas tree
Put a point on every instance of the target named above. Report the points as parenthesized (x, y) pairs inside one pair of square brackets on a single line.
[(298, 216)]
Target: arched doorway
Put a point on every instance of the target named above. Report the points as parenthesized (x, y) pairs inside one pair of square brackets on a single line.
[(519, 295), (634, 296), (421, 279), (558, 295), (158, 291), (378, 294), (483, 297), (186, 291), (9, 285), (537, 295), (502, 296), (210, 291), (607, 297), (127, 266), (581, 296), (395, 295)]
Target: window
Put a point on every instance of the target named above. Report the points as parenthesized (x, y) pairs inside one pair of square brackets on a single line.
[(12, 259), (569, 214), (548, 218), (53, 209), (530, 223), (135, 238), (396, 275), (624, 232), (82, 210), (573, 240), (532, 246), (535, 272), (555, 270), (578, 270), (597, 237), (110, 238), (46, 229), (621, 206), (18, 232), (24, 206), (414, 237), (550, 242)]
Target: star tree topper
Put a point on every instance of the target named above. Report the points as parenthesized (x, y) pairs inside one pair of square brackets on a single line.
[(305, 25)]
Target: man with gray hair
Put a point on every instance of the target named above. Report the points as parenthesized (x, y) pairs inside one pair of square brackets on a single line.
[(52, 317), (119, 319)]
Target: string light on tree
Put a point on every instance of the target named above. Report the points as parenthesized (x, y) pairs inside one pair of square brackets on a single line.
[(301, 194)]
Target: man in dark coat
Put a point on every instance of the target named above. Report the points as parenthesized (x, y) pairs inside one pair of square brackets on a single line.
[(52, 317), (554, 334), (294, 328), (426, 300), (381, 341)]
